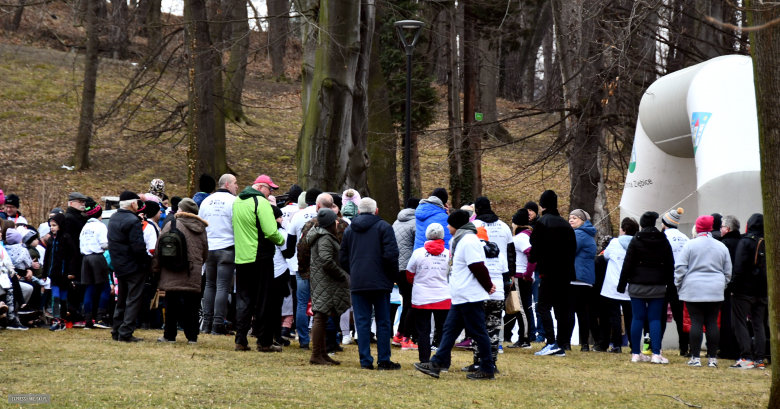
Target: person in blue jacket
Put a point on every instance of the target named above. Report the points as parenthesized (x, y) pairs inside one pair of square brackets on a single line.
[(585, 269), (432, 210)]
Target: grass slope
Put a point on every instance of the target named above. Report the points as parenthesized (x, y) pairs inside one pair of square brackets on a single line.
[(85, 368)]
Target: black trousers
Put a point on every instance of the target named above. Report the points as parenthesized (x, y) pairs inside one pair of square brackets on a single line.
[(128, 304), (677, 312), (280, 291), (294, 287), (741, 307), (255, 299), (181, 307), (595, 305), (704, 314), (422, 321), (729, 347), (579, 297), (611, 329), (406, 326), (554, 296)]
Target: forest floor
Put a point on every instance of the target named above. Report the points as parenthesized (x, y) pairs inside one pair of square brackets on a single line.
[(85, 368)]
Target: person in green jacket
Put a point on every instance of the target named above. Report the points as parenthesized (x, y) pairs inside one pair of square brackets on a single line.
[(256, 237)]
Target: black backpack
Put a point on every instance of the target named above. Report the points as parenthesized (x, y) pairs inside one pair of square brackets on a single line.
[(759, 260), (172, 250)]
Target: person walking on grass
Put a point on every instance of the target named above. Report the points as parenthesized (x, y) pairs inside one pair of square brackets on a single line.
[(369, 253), (182, 283), (93, 242), (585, 270), (553, 249), (60, 252), (649, 268), (470, 287), (404, 229), (523, 279), (617, 304), (701, 274), (328, 281)]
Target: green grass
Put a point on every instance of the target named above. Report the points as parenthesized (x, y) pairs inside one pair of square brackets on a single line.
[(82, 368)]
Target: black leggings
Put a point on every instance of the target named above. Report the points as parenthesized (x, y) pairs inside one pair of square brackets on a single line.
[(422, 319), (704, 314), (406, 324)]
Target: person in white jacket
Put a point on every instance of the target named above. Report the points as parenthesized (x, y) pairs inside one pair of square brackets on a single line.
[(615, 253), (93, 242)]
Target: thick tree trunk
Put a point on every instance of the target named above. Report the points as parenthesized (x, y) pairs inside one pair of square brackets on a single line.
[(455, 135), (472, 182), (488, 91), (153, 25), (200, 147), (219, 13), (118, 34), (766, 71), (356, 175), (84, 136), (309, 10), (680, 35), (278, 30), (17, 20), (236, 68)]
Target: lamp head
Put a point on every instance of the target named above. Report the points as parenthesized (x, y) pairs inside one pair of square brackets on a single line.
[(414, 28)]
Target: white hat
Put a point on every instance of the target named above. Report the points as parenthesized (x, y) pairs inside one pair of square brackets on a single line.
[(434, 232)]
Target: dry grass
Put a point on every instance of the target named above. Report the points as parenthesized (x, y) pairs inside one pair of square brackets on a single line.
[(82, 368)]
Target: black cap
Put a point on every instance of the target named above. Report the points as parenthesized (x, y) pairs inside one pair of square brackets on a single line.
[(481, 205), (128, 195), (458, 218), (174, 202), (311, 195), (441, 193), (521, 217), (648, 219), (413, 202), (12, 200), (277, 212), (293, 194), (549, 200), (151, 208), (337, 200), (207, 184), (532, 206), (326, 217), (717, 221)]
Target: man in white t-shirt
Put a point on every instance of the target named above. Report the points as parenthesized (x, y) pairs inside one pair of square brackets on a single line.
[(677, 239), (470, 286), (220, 267), (93, 242), (290, 207)]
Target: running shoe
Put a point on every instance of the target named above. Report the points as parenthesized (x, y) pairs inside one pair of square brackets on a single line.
[(744, 364), (548, 349), (658, 359), (408, 345), (466, 344), (639, 358), (712, 362), (397, 340), (694, 362)]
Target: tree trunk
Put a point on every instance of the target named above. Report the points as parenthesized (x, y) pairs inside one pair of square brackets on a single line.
[(153, 25), (327, 144), (488, 90), (200, 147), (309, 10), (382, 141), (278, 30), (549, 77), (356, 175), (455, 135), (118, 34), (219, 13), (84, 136), (471, 187), (236, 68), (766, 71), (17, 20)]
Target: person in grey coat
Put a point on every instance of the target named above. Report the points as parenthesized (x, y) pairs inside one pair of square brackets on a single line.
[(404, 229), (701, 273)]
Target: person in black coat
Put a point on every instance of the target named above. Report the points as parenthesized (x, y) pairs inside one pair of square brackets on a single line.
[(749, 294), (73, 223), (57, 267), (369, 254), (730, 237), (553, 247), (130, 261)]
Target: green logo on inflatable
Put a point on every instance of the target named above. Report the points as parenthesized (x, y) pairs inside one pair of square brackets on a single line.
[(698, 124), (632, 162)]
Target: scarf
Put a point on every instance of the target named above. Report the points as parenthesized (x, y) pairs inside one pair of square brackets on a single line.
[(467, 228)]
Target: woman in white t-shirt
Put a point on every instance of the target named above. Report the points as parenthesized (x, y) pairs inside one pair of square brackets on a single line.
[(524, 276), (427, 270), (615, 253)]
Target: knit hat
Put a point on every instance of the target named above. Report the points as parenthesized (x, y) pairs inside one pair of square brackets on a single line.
[(717, 222), (175, 203), (468, 208), (29, 236), (531, 206), (350, 195), (12, 200), (548, 200), (157, 187), (152, 198), (521, 217), (277, 212), (326, 217), (704, 224), (482, 233), (12, 236), (481, 205), (441, 193), (458, 218), (141, 206), (2, 197), (311, 195), (434, 231), (302, 201), (648, 219), (672, 217), (92, 208), (207, 184), (54, 211), (412, 202), (581, 214), (128, 195), (293, 193), (188, 205), (152, 208), (337, 200)]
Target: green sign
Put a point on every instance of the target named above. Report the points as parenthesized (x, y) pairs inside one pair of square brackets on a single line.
[(478, 116)]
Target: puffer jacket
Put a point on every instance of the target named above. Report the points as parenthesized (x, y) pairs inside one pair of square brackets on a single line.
[(748, 278), (584, 265), (649, 260), (194, 230), (430, 210), (329, 282), (126, 244), (404, 228)]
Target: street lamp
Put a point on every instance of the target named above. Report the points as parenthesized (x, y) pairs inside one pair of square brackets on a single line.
[(414, 28)]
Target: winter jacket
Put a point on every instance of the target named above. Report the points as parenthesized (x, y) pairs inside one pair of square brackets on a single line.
[(703, 270), (194, 230), (329, 282), (731, 241), (20, 257), (369, 254), (199, 197), (649, 260), (250, 210), (59, 254), (615, 254), (36, 255), (74, 223), (303, 250), (748, 279), (586, 253), (430, 210), (404, 228), (553, 247), (126, 244)]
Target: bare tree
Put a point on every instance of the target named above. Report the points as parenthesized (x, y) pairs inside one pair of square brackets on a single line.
[(84, 136), (278, 31)]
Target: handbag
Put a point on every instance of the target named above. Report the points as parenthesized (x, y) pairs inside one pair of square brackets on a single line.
[(513, 305)]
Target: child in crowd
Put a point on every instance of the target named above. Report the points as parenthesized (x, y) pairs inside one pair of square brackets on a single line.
[(60, 251)]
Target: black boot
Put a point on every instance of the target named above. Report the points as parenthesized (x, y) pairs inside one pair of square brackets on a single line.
[(286, 333), (88, 323)]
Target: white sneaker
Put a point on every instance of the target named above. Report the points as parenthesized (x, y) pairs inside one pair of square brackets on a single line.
[(347, 340), (658, 359), (694, 362), (712, 362), (639, 358)]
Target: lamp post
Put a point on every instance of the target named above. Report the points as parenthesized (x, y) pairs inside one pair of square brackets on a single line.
[(414, 28)]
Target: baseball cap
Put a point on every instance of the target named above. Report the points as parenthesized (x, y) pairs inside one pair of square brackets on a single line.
[(267, 180)]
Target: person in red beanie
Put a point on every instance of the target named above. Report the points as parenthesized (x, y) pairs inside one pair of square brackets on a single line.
[(702, 271)]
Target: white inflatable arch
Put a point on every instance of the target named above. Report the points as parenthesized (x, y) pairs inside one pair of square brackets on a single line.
[(696, 144)]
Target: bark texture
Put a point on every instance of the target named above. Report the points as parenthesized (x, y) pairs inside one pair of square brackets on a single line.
[(86, 118), (278, 30), (235, 74)]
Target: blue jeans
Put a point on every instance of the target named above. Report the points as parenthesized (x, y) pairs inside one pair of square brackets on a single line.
[(105, 294), (535, 293), (470, 316), (301, 319), (646, 309), (362, 304)]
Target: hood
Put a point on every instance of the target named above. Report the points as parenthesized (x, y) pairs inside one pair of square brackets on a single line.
[(587, 228), (434, 201), (731, 235), (756, 224), (429, 208), (553, 212), (364, 222), (624, 240), (315, 233), (248, 192), (406, 215), (434, 247), (192, 221), (488, 217)]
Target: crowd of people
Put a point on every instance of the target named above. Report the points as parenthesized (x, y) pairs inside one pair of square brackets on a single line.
[(324, 269)]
